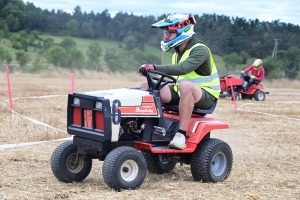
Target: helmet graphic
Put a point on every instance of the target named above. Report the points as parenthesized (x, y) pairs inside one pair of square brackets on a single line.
[(257, 64), (183, 25)]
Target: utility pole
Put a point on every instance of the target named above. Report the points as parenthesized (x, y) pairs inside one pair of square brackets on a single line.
[(274, 54)]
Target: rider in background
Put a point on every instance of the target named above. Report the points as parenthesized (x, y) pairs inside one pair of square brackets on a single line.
[(257, 74)]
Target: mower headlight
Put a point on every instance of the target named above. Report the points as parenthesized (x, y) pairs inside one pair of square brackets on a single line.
[(98, 105), (76, 101)]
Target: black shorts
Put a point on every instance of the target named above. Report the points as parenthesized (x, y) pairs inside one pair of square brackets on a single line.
[(204, 103)]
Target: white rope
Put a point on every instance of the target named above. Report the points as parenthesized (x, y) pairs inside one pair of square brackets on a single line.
[(268, 114)]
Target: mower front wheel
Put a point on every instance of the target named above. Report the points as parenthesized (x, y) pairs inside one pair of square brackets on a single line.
[(211, 161), (68, 166), (259, 95), (156, 164), (124, 168)]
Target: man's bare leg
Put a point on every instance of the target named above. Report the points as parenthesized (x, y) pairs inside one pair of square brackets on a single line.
[(190, 94)]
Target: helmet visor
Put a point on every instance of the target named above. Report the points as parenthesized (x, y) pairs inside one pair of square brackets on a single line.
[(257, 67)]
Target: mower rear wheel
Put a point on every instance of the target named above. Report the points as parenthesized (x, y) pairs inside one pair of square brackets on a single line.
[(211, 161), (259, 95), (68, 166), (124, 168), (156, 164)]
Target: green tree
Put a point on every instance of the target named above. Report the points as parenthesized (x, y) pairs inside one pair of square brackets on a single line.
[(8, 57), (153, 59), (87, 30), (1, 35), (13, 23), (73, 27), (47, 43), (292, 69), (4, 27), (232, 60), (274, 69), (4, 56), (129, 43), (31, 39), (94, 53), (13, 12), (56, 55), (37, 64), (77, 59), (24, 43), (23, 34), (139, 56), (22, 58), (68, 44)]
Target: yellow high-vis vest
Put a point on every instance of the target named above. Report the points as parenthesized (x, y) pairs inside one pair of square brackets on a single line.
[(209, 83)]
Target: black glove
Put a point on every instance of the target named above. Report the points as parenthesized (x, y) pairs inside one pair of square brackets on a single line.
[(143, 70)]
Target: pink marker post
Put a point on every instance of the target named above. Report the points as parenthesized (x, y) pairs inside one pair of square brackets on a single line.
[(233, 96), (108, 85), (8, 85), (72, 83)]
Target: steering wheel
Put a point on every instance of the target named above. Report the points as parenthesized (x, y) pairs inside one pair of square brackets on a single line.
[(156, 83)]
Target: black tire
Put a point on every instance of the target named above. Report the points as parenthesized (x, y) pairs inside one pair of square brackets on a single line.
[(156, 164), (211, 161), (259, 95), (124, 168), (64, 166), (236, 95), (243, 96)]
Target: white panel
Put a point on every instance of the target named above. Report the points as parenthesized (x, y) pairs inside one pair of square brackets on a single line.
[(115, 132)]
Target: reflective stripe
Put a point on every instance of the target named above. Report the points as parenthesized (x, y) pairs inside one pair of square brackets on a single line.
[(201, 79), (216, 87)]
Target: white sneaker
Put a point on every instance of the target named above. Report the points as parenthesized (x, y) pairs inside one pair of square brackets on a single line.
[(178, 141)]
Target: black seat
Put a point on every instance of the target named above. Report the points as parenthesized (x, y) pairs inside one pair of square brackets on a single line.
[(198, 111)]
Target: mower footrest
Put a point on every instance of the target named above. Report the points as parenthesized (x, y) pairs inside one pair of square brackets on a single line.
[(167, 149), (164, 149)]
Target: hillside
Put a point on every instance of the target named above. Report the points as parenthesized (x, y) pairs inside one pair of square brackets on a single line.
[(82, 45)]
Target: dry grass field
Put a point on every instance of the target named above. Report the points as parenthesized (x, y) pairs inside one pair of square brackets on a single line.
[(264, 137)]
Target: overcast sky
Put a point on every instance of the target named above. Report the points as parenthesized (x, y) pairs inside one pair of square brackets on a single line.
[(287, 11)]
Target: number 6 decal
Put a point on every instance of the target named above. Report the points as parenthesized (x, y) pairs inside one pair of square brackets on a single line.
[(116, 113)]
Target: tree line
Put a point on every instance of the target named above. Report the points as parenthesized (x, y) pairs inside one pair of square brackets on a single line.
[(235, 39)]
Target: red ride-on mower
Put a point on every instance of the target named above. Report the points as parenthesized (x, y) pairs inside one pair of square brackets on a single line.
[(237, 84), (129, 130)]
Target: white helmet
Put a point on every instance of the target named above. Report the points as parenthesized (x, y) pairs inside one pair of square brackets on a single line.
[(257, 63)]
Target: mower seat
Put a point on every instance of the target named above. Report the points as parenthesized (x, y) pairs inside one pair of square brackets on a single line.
[(198, 111)]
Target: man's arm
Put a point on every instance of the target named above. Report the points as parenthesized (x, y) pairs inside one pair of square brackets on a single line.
[(248, 69)]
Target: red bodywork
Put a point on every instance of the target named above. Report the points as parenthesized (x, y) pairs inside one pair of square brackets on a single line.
[(227, 82), (198, 127)]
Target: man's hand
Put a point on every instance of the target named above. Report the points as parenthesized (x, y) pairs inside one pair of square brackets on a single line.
[(242, 72), (252, 76), (143, 70)]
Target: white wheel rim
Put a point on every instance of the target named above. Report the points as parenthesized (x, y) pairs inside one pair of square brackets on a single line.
[(129, 170), (218, 164), (261, 96)]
